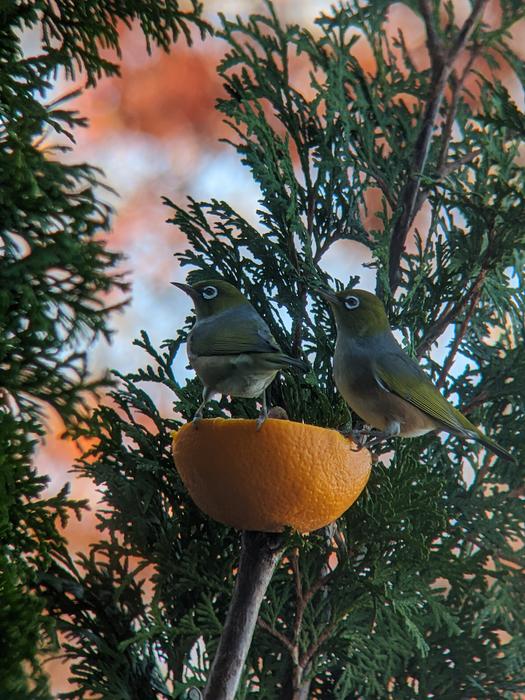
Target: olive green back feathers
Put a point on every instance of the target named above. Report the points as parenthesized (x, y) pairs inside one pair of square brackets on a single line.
[(370, 347)]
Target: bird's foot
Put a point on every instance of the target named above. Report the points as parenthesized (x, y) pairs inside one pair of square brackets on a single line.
[(263, 415), (196, 420), (367, 437), (360, 437)]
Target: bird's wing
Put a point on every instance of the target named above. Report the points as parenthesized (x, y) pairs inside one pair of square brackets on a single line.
[(232, 334), (399, 374)]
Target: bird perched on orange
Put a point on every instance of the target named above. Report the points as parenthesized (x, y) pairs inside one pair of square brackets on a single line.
[(230, 347), (382, 384)]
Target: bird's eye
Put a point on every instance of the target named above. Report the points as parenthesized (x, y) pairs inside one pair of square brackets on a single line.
[(351, 303), (210, 292)]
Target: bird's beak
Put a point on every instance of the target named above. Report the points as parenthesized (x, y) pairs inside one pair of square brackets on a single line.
[(186, 288), (330, 297)]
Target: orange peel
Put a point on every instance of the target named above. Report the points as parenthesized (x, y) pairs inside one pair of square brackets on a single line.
[(287, 474)]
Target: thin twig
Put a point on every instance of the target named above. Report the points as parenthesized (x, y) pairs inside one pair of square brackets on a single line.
[(467, 29), (449, 314), (483, 471), (317, 585), (300, 664), (408, 197), (458, 339), (443, 168), (315, 646), (287, 644), (299, 600), (381, 183), (518, 492), (464, 160), (477, 400), (457, 88), (514, 560), (435, 45), (294, 561)]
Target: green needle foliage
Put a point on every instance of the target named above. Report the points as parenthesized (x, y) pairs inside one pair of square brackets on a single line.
[(55, 273), (418, 593)]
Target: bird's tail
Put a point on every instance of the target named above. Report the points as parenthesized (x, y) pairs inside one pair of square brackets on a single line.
[(286, 361), (492, 445)]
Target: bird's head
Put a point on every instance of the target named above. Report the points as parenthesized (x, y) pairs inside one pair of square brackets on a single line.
[(212, 296), (356, 311)]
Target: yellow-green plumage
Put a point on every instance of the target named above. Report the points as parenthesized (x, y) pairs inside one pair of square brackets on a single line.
[(230, 347), (381, 383)]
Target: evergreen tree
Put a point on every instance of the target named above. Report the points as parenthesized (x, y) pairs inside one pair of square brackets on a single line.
[(55, 271), (421, 593)]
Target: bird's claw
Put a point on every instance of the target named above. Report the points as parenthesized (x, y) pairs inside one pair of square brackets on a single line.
[(260, 420), (196, 420), (359, 437)]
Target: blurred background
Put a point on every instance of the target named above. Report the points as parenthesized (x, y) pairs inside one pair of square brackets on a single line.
[(154, 131)]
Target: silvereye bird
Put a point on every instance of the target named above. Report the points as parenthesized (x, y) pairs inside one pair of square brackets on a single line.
[(381, 383), (230, 347)]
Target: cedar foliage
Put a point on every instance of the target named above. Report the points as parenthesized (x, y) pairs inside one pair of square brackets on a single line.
[(55, 271), (414, 595)]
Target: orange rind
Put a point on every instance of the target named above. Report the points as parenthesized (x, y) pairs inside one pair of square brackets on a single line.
[(287, 474)]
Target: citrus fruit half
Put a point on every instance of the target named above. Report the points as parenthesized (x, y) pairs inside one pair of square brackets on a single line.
[(286, 474)]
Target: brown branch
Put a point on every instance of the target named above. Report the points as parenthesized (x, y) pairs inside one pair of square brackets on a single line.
[(260, 553), (381, 183), (315, 646), (519, 561), (302, 599), (408, 196), (287, 644), (301, 689), (443, 168), (446, 134), (298, 686), (514, 558), (442, 65), (477, 400), (294, 561), (482, 472), (449, 314), (458, 339), (466, 30), (317, 585), (464, 160), (518, 492), (435, 45), (300, 602)]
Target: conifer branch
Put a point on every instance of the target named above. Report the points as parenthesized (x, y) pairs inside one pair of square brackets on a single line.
[(458, 338), (450, 313), (282, 638), (450, 167), (442, 65), (312, 650), (314, 154), (457, 84), (518, 492)]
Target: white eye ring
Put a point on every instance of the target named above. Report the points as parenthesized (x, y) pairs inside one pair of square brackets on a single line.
[(209, 292), (351, 303)]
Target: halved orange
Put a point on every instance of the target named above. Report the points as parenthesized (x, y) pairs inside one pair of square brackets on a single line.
[(286, 474)]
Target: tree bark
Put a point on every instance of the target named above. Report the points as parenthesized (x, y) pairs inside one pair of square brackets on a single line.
[(260, 553)]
